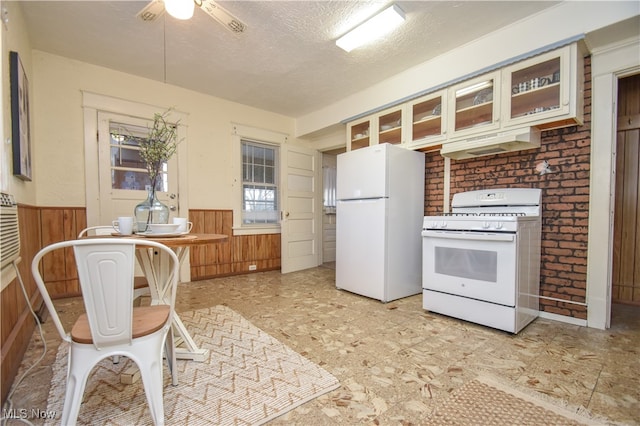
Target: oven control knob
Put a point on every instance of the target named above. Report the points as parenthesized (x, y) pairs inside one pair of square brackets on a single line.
[(443, 224), (434, 224), (498, 225), (485, 225)]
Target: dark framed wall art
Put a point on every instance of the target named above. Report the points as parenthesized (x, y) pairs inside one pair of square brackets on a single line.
[(20, 126)]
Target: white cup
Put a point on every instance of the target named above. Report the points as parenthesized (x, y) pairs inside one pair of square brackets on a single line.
[(124, 225), (185, 226)]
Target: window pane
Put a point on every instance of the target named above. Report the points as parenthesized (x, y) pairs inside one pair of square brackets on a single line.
[(269, 158), (260, 190), (258, 174), (126, 157), (269, 175), (128, 179), (128, 170)]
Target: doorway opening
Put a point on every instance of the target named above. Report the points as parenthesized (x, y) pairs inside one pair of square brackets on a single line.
[(329, 217), (625, 294)]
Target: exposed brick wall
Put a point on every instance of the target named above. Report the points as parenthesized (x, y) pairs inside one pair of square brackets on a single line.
[(434, 184), (565, 201)]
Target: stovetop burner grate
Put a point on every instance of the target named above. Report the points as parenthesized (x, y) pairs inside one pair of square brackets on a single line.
[(484, 214), (502, 214)]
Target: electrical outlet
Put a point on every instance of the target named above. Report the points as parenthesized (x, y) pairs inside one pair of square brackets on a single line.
[(252, 267)]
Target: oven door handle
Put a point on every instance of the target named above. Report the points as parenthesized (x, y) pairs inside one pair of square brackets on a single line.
[(475, 236)]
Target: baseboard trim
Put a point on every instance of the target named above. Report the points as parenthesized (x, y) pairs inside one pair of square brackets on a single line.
[(563, 318)]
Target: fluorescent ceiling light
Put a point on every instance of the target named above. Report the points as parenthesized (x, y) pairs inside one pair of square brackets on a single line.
[(179, 9), (371, 29)]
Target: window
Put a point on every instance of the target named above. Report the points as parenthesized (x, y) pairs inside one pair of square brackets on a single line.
[(329, 185), (128, 170), (260, 203)]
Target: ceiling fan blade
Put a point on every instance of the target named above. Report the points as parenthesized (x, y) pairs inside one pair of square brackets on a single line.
[(221, 15), (152, 11)]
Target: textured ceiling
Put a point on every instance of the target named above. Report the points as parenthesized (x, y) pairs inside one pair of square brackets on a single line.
[(286, 61)]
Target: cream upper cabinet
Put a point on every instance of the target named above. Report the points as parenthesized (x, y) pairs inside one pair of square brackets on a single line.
[(474, 106), (539, 93), (359, 133), (545, 91), (390, 128), (383, 127), (427, 120)]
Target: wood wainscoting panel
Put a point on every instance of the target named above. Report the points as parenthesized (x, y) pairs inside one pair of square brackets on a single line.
[(211, 260), (59, 269), (16, 321), (233, 256), (261, 251)]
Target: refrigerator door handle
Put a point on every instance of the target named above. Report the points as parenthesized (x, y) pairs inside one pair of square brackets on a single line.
[(348, 200)]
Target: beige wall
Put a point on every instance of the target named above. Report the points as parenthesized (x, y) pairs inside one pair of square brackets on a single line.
[(59, 166), (14, 38), (57, 144)]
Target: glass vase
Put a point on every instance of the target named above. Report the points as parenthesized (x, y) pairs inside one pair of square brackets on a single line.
[(150, 210)]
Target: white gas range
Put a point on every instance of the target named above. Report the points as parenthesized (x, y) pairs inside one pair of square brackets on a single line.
[(481, 263)]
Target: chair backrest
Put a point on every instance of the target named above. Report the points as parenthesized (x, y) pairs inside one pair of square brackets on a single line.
[(97, 230), (106, 271)]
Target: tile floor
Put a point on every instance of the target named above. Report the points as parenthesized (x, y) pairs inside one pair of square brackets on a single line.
[(395, 361)]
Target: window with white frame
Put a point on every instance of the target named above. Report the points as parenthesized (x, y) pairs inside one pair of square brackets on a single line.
[(260, 203), (128, 169)]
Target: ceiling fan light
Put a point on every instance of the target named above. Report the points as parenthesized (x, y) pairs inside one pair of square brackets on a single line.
[(179, 9)]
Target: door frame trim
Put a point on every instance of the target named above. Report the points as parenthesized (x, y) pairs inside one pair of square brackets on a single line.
[(92, 103), (608, 65), (243, 131)]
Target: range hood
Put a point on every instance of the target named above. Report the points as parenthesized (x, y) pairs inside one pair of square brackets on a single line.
[(494, 143)]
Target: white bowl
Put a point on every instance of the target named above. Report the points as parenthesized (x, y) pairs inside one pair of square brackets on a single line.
[(163, 228)]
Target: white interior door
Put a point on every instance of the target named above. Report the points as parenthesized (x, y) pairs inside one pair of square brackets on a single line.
[(300, 212), (122, 173)]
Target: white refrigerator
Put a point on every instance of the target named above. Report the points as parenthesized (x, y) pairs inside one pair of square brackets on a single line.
[(380, 210)]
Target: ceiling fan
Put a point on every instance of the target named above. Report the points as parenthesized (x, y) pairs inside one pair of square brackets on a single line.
[(155, 8)]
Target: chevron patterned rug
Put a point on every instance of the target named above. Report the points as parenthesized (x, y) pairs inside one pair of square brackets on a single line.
[(249, 378)]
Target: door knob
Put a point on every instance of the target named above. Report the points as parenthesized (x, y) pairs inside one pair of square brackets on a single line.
[(172, 208)]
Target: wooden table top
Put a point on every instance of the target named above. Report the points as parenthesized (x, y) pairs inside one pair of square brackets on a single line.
[(180, 241), (187, 240)]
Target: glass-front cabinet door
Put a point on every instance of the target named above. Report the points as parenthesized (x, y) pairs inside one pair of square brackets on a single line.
[(535, 89), (474, 105), (428, 122), (359, 134), (540, 89), (390, 126)]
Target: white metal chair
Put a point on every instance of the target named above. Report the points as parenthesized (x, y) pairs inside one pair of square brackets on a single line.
[(112, 326), (96, 230), (140, 283)]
